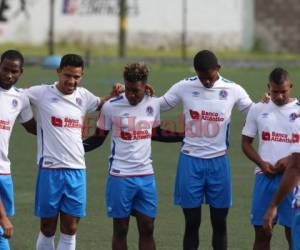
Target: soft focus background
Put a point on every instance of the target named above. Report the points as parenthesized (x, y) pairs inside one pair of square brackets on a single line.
[(250, 38)]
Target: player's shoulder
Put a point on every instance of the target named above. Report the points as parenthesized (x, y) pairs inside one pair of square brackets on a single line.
[(116, 100), (188, 81), (152, 100), (260, 107), (229, 83), (41, 87)]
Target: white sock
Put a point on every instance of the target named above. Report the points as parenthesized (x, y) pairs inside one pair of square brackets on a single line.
[(66, 242), (44, 243)]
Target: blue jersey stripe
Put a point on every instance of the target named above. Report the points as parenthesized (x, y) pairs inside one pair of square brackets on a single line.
[(113, 152)]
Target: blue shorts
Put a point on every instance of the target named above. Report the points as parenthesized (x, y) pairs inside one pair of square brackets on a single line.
[(60, 190), (125, 195), (7, 194), (201, 181), (263, 192), (296, 229), (4, 244)]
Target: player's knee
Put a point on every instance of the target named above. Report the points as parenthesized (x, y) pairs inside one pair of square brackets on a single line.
[(147, 230), (120, 232), (218, 218), (192, 219), (69, 229), (48, 231)]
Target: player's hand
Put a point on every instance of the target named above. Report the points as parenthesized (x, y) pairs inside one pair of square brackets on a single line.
[(7, 227), (149, 90), (117, 89), (281, 164), (267, 168), (268, 219), (265, 98)]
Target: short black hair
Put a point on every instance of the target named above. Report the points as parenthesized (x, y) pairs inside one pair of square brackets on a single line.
[(205, 60), (12, 55), (278, 76), (72, 60), (136, 72)]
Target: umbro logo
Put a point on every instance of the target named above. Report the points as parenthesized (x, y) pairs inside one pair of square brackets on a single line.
[(195, 93)]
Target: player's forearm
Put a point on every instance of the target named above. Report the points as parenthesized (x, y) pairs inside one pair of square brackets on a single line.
[(2, 211), (92, 143), (166, 136), (251, 153)]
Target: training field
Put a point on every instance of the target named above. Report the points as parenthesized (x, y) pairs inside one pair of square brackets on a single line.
[(95, 229)]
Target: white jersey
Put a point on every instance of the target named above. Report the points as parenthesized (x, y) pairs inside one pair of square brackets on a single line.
[(277, 128), (295, 148), (59, 124), (131, 128), (14, 106), (207, 113)]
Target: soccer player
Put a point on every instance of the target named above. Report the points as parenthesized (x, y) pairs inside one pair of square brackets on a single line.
[(275, 125), (203, 173), (14, 106), (61, 182), (134, 120)]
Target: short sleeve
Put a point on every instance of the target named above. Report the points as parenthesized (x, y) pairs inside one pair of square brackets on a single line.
[(26, 112), (105, 119), (243, 101), (250, 128), (171, 97), (34, 93), (91, 101)]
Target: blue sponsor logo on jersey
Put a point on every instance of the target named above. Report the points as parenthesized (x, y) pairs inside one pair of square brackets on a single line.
[(265, 115)]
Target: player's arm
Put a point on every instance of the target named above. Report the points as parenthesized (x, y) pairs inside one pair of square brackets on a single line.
[(251, 153), (5, 222), (243, 101), (162, 135), (30, 126), (282, 164), (95, 140), (171, 98), (289, 180)]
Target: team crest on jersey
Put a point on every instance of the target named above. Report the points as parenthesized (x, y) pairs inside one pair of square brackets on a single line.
[(79, 101), (14, 103), (223, 94), (149, 111), (195, 93), (294, 116)]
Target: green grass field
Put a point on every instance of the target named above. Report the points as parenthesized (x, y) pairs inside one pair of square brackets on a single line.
[(95, 229)]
